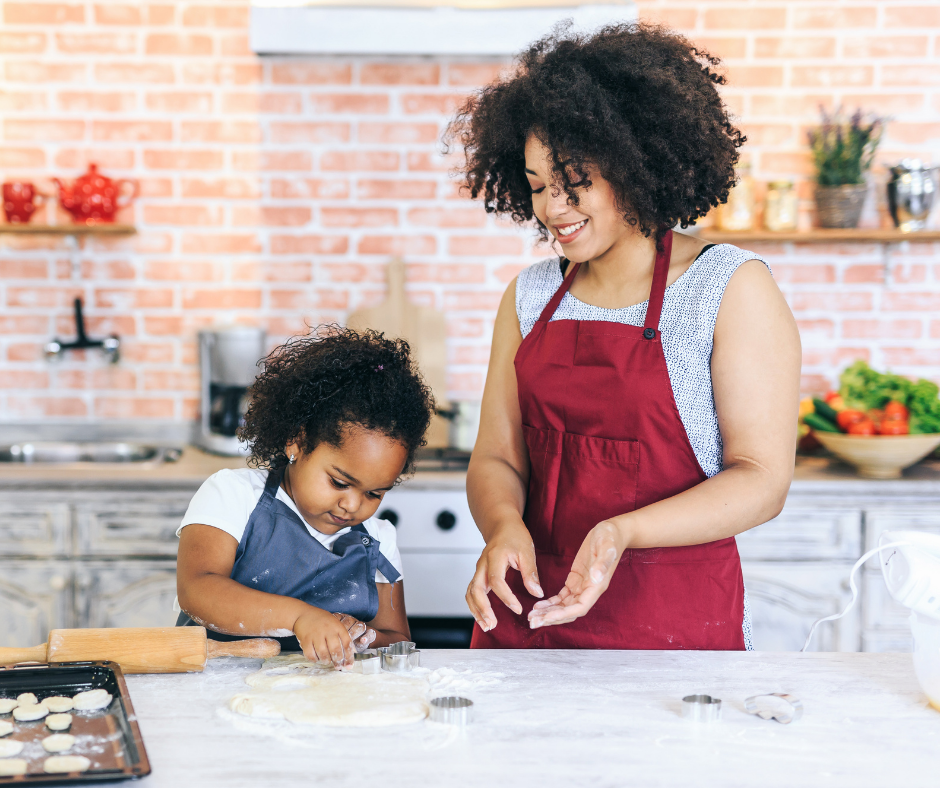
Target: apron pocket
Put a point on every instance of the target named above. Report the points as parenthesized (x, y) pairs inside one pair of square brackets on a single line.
[(597, 480)]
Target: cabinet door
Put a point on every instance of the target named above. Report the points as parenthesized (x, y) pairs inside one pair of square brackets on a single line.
[(125, 593), (786, 598), (805, 532), (31, 527), (131, 524), (35, 596), (435, 583)]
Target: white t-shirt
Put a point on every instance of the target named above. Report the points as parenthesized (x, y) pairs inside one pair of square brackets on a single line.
[(227, 498)]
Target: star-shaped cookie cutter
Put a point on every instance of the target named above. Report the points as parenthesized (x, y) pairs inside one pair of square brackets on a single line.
[(399, 657), (785, 717)]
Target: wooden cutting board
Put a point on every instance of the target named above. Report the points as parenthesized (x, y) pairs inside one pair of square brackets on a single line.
[(425, 329)]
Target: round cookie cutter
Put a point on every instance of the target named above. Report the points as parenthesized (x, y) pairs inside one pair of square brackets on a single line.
[(701, 708), (451, 710)]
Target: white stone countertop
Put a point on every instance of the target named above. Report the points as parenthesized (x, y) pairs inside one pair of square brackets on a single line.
[(570, 718)]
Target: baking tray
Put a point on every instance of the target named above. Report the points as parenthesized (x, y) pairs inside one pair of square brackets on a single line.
[(110, 737)]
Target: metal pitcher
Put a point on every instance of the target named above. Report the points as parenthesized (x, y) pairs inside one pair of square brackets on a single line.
[(910, 194)]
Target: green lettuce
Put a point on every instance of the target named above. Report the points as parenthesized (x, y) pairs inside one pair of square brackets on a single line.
[(862, 388)]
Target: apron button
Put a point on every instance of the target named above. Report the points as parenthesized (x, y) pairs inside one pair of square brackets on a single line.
[(365, 540), (649, 333)]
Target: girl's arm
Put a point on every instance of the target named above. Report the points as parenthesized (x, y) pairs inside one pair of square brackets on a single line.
[(212, 599), (756, 380), (498, 477), (391, 622)]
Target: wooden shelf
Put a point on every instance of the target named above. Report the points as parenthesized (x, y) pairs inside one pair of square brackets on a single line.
[(821, 236), (67, 229)]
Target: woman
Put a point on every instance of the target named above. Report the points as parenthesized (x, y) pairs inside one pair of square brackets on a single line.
[(641, 402)]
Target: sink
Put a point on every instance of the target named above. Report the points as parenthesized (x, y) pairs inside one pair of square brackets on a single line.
[(48, 452)]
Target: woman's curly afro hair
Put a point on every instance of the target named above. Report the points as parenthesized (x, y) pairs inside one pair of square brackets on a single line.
[(638, 101), (312, 388)]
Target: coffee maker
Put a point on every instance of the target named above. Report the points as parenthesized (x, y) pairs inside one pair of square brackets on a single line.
[(228, 363)]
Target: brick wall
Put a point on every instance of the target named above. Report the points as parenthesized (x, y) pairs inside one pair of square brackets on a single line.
[(274, 191)]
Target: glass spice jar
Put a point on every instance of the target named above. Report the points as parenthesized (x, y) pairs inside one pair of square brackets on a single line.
[(738, 212), (780, 208)]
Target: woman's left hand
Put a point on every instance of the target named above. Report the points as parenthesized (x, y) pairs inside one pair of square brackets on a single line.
[(589, 577)]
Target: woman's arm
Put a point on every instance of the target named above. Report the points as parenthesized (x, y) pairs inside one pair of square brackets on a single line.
[(756, 379), (498, 477)]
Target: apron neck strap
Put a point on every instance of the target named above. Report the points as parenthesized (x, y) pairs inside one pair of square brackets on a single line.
[(658, 288), (552, 305), (272, 483)]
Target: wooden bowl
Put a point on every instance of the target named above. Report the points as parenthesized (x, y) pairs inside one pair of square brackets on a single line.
[(879, 456)]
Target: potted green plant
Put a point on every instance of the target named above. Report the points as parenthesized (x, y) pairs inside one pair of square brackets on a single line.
[(843, 149)]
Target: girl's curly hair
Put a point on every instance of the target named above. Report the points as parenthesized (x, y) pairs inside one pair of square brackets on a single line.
[(313, 387), (637, 100)]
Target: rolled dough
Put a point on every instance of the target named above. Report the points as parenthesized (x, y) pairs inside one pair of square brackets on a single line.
[(8, 704), (10, 747), (91, 700), (26, 699), (57, 704), (12, 767), (31, 712), (63, 764), (6, 728), (58, 742), (291, 688), (59, 722)]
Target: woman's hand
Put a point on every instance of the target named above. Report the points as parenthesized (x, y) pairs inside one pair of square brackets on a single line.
[(324, 638), (510, 546), (589, 577), (359, 633)]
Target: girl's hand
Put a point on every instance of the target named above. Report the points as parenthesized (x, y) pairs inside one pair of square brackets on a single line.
[(359, 633), (589, 577), (324, 638), (510, 546)]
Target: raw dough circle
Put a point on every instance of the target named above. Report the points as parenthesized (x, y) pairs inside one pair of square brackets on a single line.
[(91, 700), (13, 767), (63, 764), (58, 742), (8, 704), (27, 699), (6, 728), (59, 722), (28, 713), (10, 747), (57, 704)]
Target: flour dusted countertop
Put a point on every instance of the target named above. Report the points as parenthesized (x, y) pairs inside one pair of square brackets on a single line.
[(571, 718)]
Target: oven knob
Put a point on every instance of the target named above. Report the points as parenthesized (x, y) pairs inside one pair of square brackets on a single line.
[(446, 520), (389, 514)]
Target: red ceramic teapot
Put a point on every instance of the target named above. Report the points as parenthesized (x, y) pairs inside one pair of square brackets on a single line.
[(94, 198), (19, 201)]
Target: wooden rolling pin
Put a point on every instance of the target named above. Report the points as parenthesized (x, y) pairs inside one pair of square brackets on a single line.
[(157, 650)]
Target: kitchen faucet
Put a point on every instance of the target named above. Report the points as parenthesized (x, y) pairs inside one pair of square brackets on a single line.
[(110, 345)]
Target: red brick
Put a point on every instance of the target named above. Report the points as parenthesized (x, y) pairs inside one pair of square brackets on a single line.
[(24, 351), (740, 76), (184, 271), (934, 329), (216, 16), (908, 273), (913, 133), (134, 408), (122, 325), (397, 245), (229, 188), (268, 271), (474, 74), (271, 160), (822, 328), (911, 357), (316, 133), (103, 269), (307, 73), (432, 103), (911, 302), (801, 273), (358, 273), (220, 131), (43, 13), (361, 160), (180, 101), (184, 215), (132, 131), (24, 324), (147, 352), (265, 103), (220, 243), (22, 100), (466, 300), (460, 273), (222, 73), (885, 46), (42, 296), (309, 244), (506, 273), (229, 298), (395, 189), (886, 102), (484, 245), (723, 46), (357, 103), (919, 17), (676, 18), (882, 329), (119, 14), (795, 47), (175, 380), (309, 188), (183, 159), (21, 42), (398, 133), (744, 18), (160, 325), (23, 269), (113, 378), (837, 18), (175, 44), (24, 379), (400, 74), (135, 73), (236, 45), (46, 407), (22, 157), (769, 133), (271, 216), (86, 101), (305, 299), (927, 74), (423, 161), (834, 358), (447, 217), (41, 130), (43, 73), (831, 301), (359, 217), (96, 43)]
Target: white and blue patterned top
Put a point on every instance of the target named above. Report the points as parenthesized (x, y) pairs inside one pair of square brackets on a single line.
[(687, 326)]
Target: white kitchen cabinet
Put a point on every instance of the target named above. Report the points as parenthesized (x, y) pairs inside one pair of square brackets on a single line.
[(805, 532), (35, 596), (119, 524), (34, 528)]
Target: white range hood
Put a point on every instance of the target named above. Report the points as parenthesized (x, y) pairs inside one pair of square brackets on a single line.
[(419, 27)]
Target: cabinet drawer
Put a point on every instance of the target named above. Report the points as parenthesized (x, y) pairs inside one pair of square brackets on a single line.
[(802, 533), (31, 528), (879, 610), (433, 520), (35, 596), (138, 525), (894, 640), (435, 583), (125, 593), (900, 518)]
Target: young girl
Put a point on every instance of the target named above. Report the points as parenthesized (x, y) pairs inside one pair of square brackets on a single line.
[(289, 548)]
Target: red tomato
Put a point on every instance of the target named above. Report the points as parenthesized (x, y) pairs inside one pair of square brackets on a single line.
[(895, 411), (846, 418), (830, 395), (866, 427), (894, 427)]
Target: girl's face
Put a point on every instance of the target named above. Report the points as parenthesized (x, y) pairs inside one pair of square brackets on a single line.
[(337, 487), (586, 231)]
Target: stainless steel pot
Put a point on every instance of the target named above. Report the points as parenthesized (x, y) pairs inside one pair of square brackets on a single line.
[(910, 195)]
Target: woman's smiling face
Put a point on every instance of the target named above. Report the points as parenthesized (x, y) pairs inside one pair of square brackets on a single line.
[(587, 230)]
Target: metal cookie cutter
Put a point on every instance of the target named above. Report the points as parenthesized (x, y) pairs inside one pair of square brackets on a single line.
[(784, 716), (400, 657), (367, 662), (452, 710), (701, 708)]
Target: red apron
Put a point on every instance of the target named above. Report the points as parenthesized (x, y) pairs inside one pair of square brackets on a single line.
[(604, 438)]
